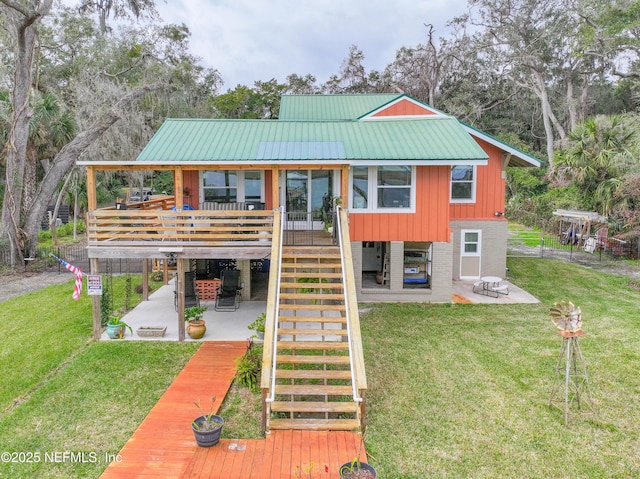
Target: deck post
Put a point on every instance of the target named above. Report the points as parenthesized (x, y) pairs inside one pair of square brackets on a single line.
[(180, 292), (145, 279), (95, 303)]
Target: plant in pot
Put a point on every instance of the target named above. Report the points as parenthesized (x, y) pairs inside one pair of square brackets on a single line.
[(207, 428), (356, 469), (258, 326), (196, 326), (116, 327)]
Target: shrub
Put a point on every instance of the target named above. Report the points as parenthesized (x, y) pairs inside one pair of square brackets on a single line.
[(250, 366)]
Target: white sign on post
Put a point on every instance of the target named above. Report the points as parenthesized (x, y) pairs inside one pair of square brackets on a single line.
[(94, 285)]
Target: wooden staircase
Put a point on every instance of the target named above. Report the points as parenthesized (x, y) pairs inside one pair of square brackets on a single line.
[(313, 372)]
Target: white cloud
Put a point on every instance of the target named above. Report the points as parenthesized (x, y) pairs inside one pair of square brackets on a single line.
[(250, 40)]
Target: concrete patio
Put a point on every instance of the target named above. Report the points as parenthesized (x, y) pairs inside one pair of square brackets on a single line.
[(159, 311), (232, 325), (462, 292)]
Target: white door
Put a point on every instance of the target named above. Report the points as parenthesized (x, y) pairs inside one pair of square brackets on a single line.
[(470, 254)]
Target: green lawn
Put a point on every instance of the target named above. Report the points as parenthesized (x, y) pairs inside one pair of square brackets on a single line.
[(60, 391), (463, 390), (454, 390)]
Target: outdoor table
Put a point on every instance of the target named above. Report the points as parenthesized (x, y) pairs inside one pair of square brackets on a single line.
[(490, 286)]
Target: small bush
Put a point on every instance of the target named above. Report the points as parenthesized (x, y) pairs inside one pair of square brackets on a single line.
[(250, 366)]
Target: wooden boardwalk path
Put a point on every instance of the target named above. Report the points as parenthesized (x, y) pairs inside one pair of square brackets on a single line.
[(164, 446)]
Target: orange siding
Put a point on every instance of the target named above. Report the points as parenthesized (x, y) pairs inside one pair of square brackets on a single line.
[(430, 222), (191, 180), (268, 190), (490, 189), (404, 108)]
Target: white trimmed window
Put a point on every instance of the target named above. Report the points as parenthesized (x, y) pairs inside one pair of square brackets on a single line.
[(463, 184), (383, 188), (471, 242), (229, 186)]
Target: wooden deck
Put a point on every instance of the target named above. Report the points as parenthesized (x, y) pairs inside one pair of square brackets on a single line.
[(164, 446)]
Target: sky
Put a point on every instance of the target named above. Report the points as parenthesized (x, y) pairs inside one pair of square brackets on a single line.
[(251, 40)]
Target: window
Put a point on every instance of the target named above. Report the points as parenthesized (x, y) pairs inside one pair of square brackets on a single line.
[(253, 186), (382, 188), (463, 184), (360, 187), (220, 186), (394, 186), (228, 186), (470, 243)]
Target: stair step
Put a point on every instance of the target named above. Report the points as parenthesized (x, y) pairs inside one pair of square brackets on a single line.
[(313, 332), (320, 255), (309, 274), (311, 307), (312, 296), (309, 248), (314, 406), (300, 359), (312, 390), (310, 265), (312, 319), (310, 285), (313, 374), (315, 424), (323, 345)]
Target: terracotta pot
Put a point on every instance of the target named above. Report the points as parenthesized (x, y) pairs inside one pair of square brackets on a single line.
[(196, 328), (379, 277)]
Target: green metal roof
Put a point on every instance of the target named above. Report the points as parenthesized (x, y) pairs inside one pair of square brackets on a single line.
[(440, 140), (331, 107)]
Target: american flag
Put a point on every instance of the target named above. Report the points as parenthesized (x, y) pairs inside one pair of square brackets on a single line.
[(77, 289)]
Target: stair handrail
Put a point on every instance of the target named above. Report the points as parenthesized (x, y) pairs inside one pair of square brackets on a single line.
[(276, 256), (341, 214)]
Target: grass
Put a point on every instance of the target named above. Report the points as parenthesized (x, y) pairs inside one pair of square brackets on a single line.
[(463, 390), (454, 390), (60, 391)]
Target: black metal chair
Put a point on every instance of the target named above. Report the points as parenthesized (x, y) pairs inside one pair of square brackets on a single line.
[(229, 296), (191, 297)]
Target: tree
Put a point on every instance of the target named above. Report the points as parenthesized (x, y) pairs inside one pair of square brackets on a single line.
[(21, 20), (418, 71), (353, 77), (119, 8), (94, 83), (597, 155)]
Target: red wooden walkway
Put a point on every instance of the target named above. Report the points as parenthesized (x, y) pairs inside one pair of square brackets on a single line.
[(164, 446)]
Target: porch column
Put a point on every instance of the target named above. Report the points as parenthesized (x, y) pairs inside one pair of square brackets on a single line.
[(344, 186), (145, 279), (180, 291), (275, 187), (92, 203), (95, 303), (244, 266), (179, 187)]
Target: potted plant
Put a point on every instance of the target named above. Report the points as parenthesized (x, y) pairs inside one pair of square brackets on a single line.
[(196, 326), (116, 327), (356, 469), (207, 428), (258, 326), (327, 210)]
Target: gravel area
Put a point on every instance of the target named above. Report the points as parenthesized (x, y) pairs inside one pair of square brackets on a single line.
[(17, 284)]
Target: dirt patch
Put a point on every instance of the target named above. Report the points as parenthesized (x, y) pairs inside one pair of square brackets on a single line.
[(16, 284)]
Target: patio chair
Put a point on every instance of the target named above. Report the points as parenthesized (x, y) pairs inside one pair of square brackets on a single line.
[(229, 296), (191, 297)]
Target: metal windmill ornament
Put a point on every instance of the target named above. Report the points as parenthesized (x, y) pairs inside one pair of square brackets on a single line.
[(566, 316), (572, 385)]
